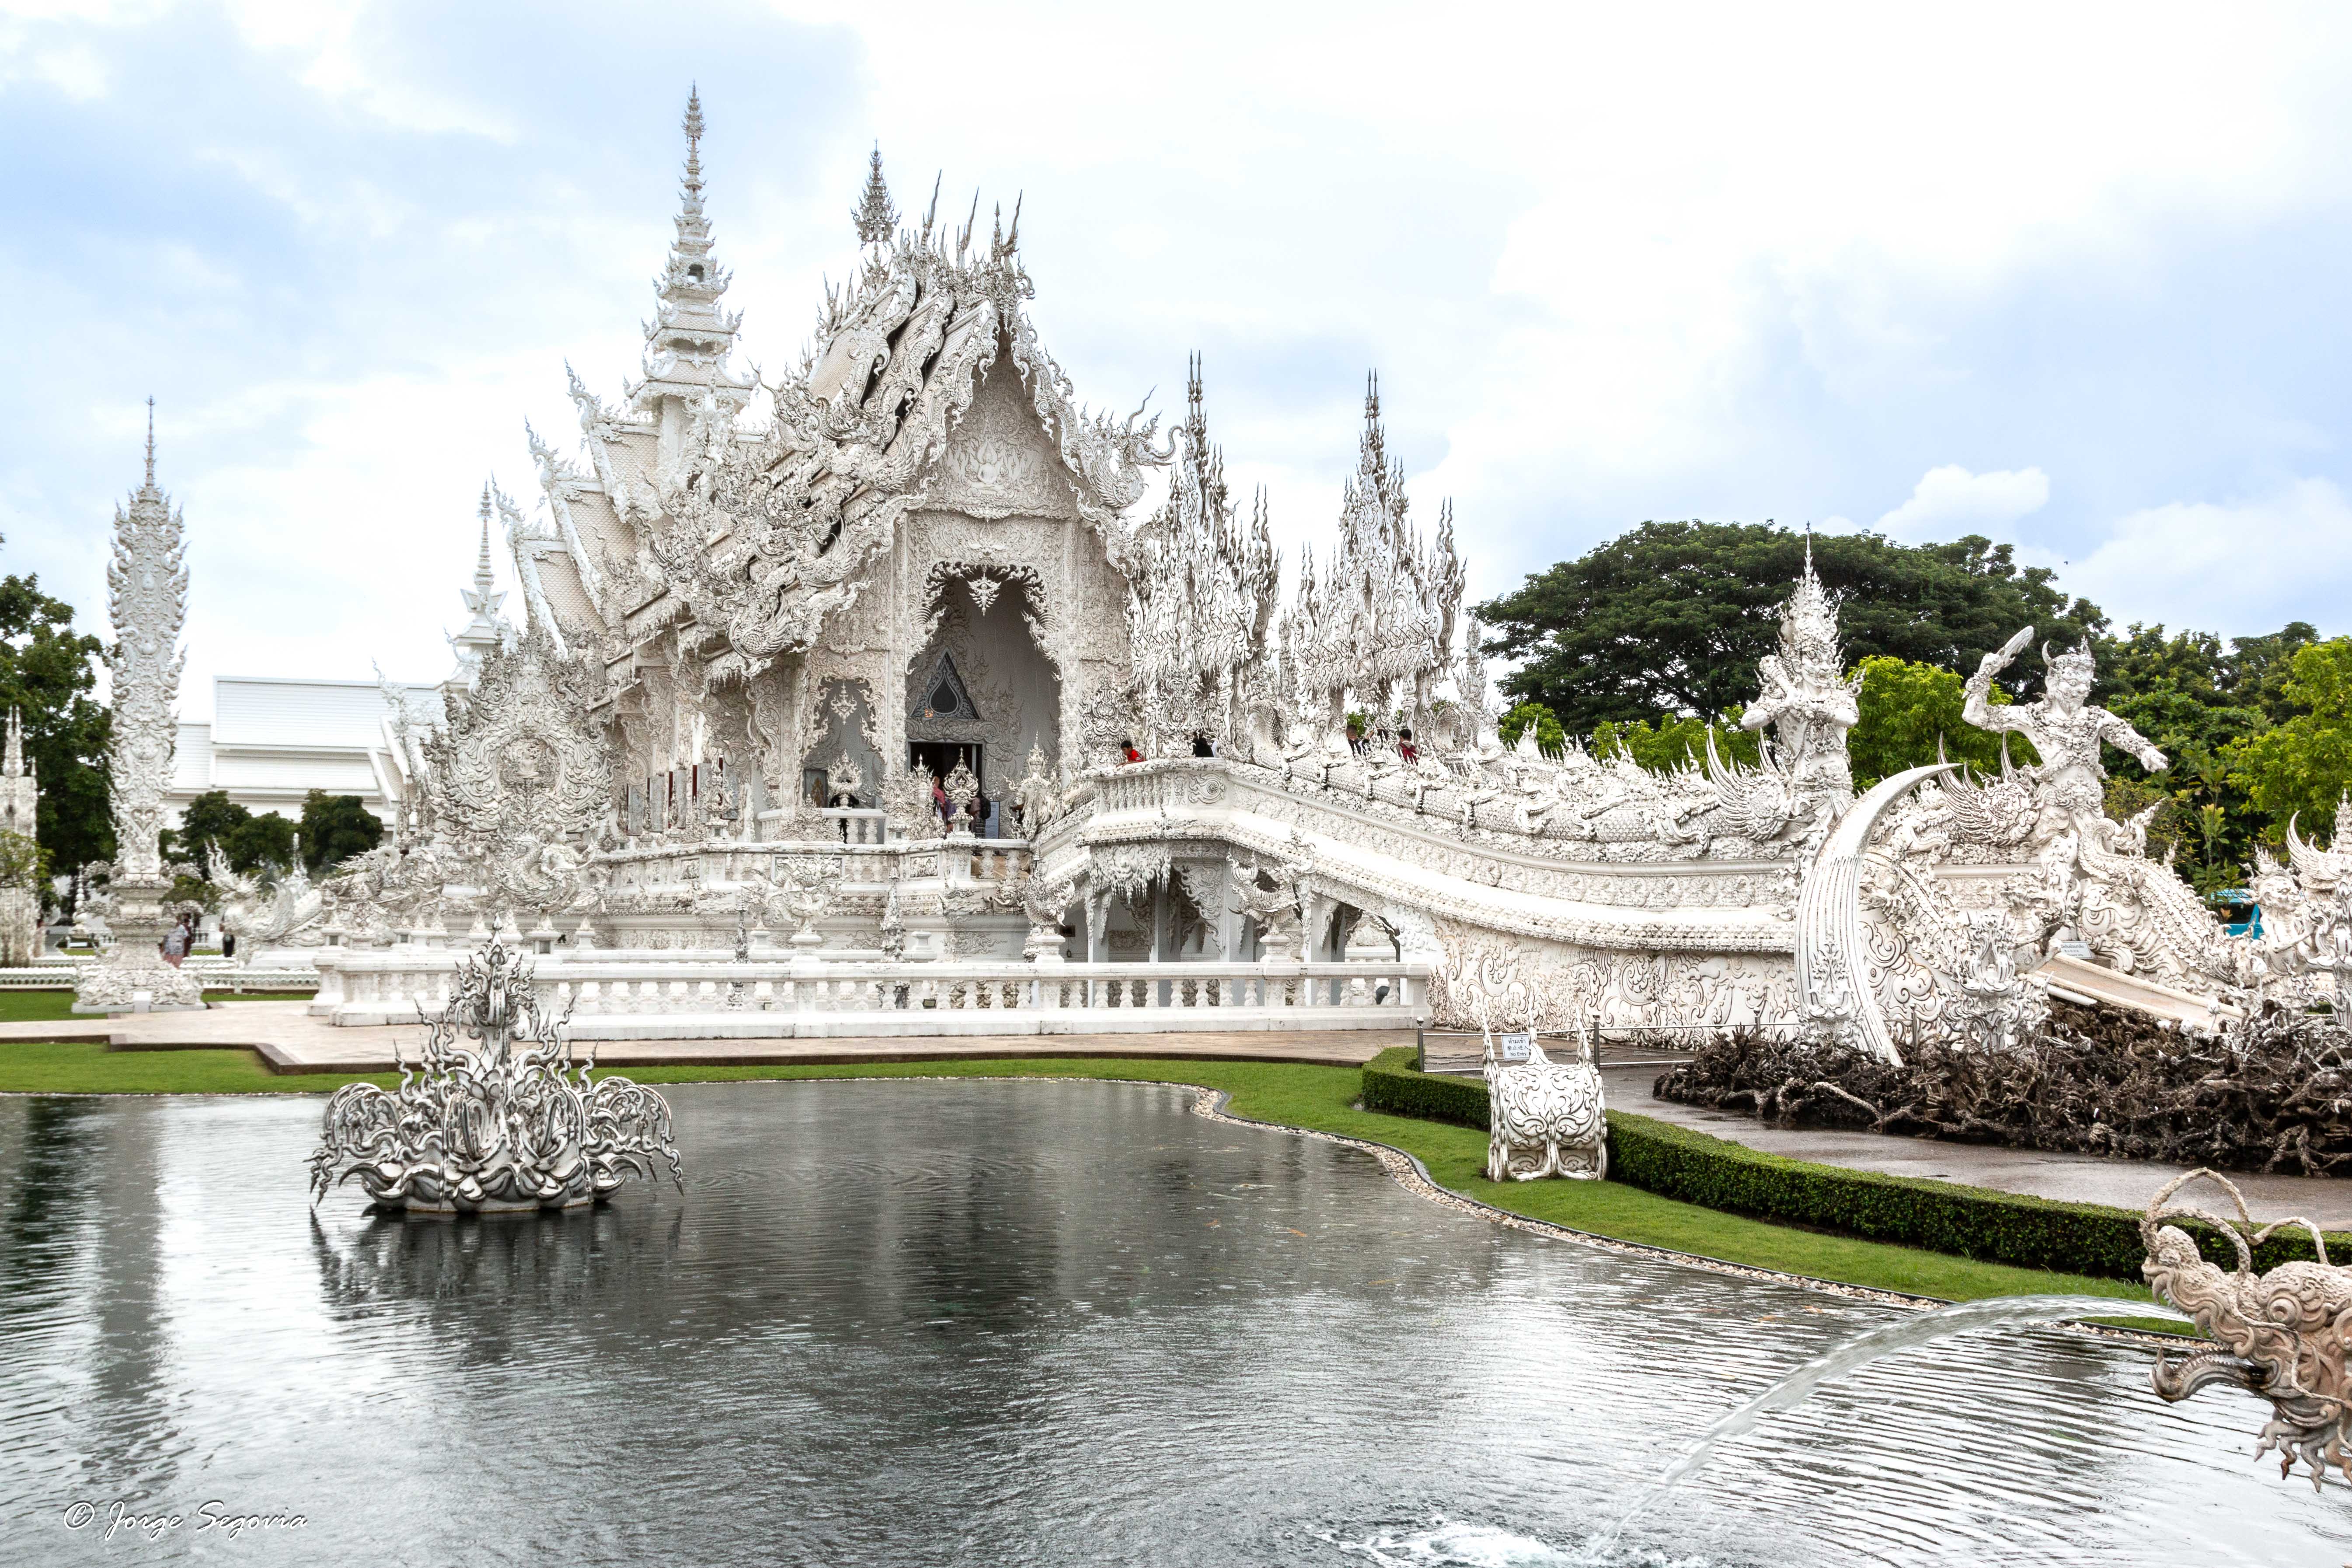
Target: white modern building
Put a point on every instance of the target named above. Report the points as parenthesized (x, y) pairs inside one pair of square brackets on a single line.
[(274, 738)]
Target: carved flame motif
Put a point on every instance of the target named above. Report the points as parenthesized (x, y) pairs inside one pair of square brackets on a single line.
[(519, 777)]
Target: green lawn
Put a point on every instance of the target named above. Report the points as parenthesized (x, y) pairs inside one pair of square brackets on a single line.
[(1292, 1094), (40, 1006)]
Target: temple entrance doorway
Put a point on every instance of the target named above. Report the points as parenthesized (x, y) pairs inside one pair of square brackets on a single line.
[(981, 693), (937, 759)]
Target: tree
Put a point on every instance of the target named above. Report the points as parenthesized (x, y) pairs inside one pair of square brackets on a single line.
[(2196, 697), (267, 839), (245, 841), (1672, 617), (1907, 711), (49, 671), (212, 818), (24, 863), (335, 828), (1671, 743), (2303, 766), (1550, 736), (2258, 668)]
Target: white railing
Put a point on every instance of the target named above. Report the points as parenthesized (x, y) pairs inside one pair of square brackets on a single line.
[(618, 998), (858, 825), (215, 976)]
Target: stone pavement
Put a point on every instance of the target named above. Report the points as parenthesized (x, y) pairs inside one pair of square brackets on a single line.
[(1628, 1071), (291, 1040)]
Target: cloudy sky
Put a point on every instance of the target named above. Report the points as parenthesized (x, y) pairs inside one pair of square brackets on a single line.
[(2067, 275)]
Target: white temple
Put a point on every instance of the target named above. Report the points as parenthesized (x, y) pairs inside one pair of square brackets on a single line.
[(821, 714)]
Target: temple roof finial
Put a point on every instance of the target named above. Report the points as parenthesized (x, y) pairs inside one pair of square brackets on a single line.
[(689, 338), (875, 218), (483, 580), (692, 126), (150, 441)]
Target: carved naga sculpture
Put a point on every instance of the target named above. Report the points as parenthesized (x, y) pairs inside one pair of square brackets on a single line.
[(2283, 1333)]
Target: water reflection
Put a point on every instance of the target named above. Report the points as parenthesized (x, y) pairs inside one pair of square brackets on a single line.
[(987, 1322)]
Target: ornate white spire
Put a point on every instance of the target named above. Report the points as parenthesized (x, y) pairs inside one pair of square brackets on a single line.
[(689, 338), (147, 587), (147, 594), (875, 218), (20, 790), (486, 631), (1202, 597), (1809, 625), (1378, 624)]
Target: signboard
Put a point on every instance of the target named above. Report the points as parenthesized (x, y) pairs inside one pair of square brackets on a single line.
[(1514, 1048)]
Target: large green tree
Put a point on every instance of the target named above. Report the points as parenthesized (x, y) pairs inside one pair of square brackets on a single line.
[(49, 671), (334, 827), (2303, 766), (2197, 696), (1910, 715), (1672, 617), (245, 841)]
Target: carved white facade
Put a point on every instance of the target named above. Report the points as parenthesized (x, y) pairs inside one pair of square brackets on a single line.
[(863, 654)]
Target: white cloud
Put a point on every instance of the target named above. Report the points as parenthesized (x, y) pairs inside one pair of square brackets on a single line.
[(2240, 568), (1630, 267), (1950, 501)]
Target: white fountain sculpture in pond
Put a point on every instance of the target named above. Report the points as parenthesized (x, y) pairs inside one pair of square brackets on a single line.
[(1546, 1117), (512, 1124)]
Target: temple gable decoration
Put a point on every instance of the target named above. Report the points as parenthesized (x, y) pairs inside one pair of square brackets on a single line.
[(945, 696)]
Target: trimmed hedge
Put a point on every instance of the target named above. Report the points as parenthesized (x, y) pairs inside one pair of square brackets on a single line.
[(1940, 1216)]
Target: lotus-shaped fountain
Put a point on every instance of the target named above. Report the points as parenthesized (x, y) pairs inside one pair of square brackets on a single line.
[(508, 1122), (2282, 1333)]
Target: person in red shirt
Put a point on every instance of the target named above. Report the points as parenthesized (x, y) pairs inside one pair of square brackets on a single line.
[(1405, 748)]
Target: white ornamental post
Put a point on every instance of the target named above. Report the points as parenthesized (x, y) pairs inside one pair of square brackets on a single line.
[(147, 588)]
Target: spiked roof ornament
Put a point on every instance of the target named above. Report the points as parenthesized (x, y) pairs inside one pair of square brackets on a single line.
[(876, 218), (689, 338), (1809, 621)]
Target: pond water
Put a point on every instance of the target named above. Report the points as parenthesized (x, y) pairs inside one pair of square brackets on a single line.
[(1018, 1322)]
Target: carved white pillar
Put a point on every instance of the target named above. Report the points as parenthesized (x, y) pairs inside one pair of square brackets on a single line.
[(1230, 926), (1161, 938), (1098, 918), (147, 594), (1314, 912)]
